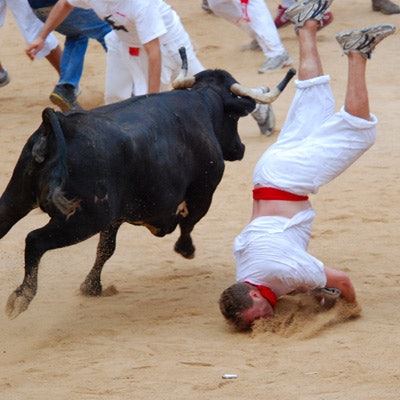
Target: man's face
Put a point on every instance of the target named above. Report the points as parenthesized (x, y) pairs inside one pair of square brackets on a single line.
[(261, 308)]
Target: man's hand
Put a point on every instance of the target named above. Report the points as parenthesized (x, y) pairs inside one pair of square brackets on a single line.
[(34, 48), (326, 297), (57, 15)]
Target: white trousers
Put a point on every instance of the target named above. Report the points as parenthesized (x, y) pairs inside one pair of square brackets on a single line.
[(28, 24), (315, 144), (127, 74), (255, 19)]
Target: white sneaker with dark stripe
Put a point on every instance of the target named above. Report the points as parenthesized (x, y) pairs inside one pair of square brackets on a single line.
[(301, 12), (364, 40)]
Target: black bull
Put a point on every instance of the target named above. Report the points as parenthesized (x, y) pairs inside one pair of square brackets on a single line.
[(150, 160)]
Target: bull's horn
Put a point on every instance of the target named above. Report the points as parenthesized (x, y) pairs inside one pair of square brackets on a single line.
[(264, 98), (181, 81)]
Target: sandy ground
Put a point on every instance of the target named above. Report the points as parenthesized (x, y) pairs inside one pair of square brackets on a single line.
[(162, 336)]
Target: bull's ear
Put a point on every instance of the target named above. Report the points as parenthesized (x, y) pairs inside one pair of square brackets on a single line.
[(39, 149), (241, 106)]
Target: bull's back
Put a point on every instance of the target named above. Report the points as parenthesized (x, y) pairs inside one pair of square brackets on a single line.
[(140, 155)]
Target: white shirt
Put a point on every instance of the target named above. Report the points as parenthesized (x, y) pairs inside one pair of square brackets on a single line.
[(136, 22), (272, 251)]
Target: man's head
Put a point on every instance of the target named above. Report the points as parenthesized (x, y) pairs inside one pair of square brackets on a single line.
[(241, 304)]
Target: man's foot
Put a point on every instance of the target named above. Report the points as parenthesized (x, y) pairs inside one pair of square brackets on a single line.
[(264, 116), (64, 97), (281, 20), (385, 7), (301, 12), (364, 40), (4, 78), (252, 46), (277, 62)]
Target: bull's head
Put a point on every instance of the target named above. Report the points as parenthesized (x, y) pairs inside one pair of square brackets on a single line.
[(238, 101)]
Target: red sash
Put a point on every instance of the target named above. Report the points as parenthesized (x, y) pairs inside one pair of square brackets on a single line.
[(266, 292), (269, 193)]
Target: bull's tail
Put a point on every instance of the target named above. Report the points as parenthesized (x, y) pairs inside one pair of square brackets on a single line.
[(51, 150)]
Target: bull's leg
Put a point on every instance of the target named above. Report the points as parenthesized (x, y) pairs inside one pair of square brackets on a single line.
[(184, 244), (91, 286), (54, 235), (20, 299)]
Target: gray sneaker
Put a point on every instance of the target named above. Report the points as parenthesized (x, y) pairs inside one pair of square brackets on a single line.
[(64, 96), (301, 12), (364, 40), (264, 116), (4, 78), (277, 62)]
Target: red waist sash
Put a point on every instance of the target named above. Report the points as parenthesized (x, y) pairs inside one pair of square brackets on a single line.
[(269, 193)]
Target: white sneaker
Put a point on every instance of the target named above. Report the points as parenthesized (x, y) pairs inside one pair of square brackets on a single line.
[(301, 12), (277, 62), (264, 116), (364, 40)]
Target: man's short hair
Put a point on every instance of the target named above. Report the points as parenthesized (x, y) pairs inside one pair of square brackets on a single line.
[(233, 301)]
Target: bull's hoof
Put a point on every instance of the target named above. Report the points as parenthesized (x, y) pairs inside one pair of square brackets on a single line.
[(185, 252), (89, 288), (17, 303)]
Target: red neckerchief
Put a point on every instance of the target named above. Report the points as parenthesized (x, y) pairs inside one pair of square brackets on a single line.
[(266, 292)]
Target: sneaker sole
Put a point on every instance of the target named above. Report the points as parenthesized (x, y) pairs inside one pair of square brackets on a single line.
[(60, 102)]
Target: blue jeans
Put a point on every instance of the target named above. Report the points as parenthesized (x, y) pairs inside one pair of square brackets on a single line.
[(80, 26)]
